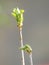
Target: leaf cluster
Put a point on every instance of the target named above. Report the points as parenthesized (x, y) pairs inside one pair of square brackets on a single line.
[(26, 48), (18, 14)]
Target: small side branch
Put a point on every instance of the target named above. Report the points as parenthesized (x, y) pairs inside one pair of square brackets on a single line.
[(31, 60)]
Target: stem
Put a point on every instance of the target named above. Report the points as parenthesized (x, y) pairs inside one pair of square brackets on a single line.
[(31, 61), (21, 39)]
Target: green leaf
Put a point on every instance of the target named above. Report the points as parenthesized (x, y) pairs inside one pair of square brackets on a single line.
[(13, 14), (22, 11), (26, 48), (18, 14)]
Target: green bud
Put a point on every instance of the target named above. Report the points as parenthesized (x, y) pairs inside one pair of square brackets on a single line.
[(18, 14), (26, 48)]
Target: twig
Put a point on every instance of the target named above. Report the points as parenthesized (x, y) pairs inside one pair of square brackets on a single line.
[(18, 14), (28, 49), (21, 39), (31, 60)]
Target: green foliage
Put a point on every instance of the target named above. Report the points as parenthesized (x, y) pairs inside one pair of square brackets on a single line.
[(18, 14), (26, 48)]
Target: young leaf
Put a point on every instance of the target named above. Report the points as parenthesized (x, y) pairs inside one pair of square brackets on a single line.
[(18, 14), (26, 48)]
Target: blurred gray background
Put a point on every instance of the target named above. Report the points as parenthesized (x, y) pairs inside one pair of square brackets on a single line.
[(35, 31)]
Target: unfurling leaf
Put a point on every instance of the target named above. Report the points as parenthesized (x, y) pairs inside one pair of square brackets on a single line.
[(18, 14), (26, 48)]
